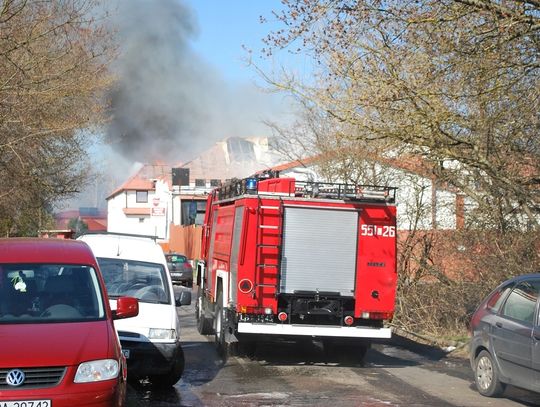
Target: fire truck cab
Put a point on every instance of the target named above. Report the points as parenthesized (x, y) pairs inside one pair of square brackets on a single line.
[(296, 259)]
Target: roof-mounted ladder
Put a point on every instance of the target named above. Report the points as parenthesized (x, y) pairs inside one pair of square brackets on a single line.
[(265, 233)]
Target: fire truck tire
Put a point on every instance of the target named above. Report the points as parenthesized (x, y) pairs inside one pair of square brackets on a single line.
[(204, 324), (360, 351), (345, 351), (221, 345), (247, 348)]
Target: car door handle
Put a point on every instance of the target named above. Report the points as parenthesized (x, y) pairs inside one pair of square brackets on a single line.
[(498, 324)]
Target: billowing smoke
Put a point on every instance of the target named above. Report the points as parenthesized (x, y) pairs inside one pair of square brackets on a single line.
[(168, 103)]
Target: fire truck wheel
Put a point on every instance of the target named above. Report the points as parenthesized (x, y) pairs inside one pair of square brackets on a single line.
[(345, 351), (220, 326), (247, 348), (204, 324)]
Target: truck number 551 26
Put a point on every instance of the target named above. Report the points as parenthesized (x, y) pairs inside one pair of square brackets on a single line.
[(375, 230)]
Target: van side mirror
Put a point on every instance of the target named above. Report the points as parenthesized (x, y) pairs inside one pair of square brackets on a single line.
[(126, 307), (183, 298)]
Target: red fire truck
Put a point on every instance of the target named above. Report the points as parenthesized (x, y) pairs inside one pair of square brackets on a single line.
[(296, 259)]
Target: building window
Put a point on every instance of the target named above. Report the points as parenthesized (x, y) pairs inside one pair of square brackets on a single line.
[(141, 220), (142, 196), (199, 182), (240, 149), (214, 182), (193, 212)]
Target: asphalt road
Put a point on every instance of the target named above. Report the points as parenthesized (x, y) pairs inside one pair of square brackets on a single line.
[(394, 373)]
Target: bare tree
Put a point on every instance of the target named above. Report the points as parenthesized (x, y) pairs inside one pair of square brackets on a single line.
[(53, 69), (455, 82)]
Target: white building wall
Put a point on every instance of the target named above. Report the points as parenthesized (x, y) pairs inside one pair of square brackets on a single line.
[(153, 224), (115, 214), (446, 209), (414, 201), (175, 212)]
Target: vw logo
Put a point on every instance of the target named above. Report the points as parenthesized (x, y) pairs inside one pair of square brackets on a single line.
[(15, 377)]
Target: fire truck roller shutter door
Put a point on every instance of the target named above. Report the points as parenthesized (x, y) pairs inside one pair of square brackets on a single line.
[(235, 249), (208, 269), (319, 250)]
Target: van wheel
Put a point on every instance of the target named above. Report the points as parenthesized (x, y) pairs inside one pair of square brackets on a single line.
[(171, 378), (204, 324), (486, 376)]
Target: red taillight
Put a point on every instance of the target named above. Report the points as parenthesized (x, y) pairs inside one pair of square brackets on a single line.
[(348, 320), (282, 316)]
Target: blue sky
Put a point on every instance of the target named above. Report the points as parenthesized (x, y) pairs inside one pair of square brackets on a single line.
[(224, 26)]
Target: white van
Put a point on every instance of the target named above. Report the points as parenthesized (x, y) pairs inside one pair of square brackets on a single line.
[(135, 266)]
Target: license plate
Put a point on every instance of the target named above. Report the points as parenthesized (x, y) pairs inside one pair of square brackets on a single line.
[(124, 351), (176, 274), (26, 403)]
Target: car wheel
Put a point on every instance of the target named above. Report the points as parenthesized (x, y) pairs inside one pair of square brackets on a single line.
[(171, 378), (486, 375)]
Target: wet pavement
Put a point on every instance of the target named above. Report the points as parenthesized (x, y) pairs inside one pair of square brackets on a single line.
[(394, 373)]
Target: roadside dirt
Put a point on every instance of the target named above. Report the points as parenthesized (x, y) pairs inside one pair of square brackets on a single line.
[(429, 345)]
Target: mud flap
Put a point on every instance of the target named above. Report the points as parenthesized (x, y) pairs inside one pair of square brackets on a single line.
[(230, 327), (230, 337)]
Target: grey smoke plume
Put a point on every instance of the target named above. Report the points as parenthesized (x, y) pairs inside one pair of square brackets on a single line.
[(168, 103)]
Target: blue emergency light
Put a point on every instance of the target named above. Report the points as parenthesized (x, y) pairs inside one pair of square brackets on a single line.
[(251, 184)]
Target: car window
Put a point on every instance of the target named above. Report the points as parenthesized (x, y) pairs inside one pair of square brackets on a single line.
[(174, 258), (49, 293), (521, 302), (144, 281), (496, 300)]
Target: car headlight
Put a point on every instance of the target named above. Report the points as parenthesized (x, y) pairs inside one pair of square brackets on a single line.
[(97, 370), (156, 333)]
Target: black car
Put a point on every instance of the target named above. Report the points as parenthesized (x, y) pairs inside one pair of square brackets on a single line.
[(505, 344), (180, 269)]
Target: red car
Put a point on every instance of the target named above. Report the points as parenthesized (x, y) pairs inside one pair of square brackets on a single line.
[(58, 345)]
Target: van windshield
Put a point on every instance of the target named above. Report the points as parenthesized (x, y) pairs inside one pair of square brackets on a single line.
[(144, 281), (43, 293)]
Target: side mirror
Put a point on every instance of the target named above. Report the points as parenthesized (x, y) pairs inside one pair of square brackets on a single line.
[(126, 307), (183, 298)]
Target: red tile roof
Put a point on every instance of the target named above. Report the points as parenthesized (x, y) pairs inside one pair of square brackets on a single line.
[(135, 183), (95, 225), (297, 163)]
